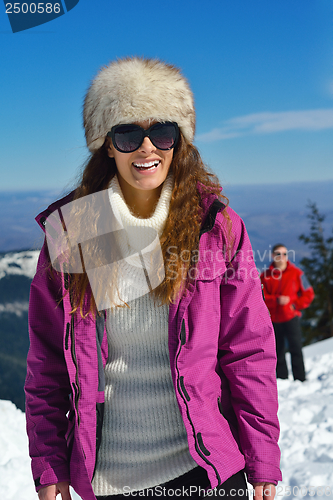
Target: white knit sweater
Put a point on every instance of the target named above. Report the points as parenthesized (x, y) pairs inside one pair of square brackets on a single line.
[(144, 440)]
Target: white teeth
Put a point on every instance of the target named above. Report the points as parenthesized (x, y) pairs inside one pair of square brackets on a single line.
[(147, 165)]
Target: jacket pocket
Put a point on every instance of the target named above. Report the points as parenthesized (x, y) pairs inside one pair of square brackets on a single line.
[(202, 446), (70, 430)]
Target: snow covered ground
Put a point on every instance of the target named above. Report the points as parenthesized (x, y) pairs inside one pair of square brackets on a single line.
[(306, 417)]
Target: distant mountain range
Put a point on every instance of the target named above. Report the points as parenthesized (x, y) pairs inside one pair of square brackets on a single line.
[(18, 229), (273, 213), (16, 272)]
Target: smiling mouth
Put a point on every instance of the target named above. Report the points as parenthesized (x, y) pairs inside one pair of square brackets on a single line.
[(151, 165)]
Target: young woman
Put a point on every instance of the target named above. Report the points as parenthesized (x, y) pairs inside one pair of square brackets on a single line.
[(151, 369)]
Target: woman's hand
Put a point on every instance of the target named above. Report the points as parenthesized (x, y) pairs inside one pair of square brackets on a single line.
[(283, 300), (50, 492), (264, 491)]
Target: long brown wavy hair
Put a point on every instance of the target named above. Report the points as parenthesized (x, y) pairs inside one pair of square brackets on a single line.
[(183, 223)]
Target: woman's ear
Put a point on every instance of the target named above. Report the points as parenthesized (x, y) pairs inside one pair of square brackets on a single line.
[(109, 147)]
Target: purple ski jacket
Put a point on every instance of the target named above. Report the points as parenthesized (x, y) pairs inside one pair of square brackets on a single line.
[(222, 360)]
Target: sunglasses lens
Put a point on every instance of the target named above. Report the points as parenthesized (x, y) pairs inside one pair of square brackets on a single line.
[(127, 138), (163, 135)]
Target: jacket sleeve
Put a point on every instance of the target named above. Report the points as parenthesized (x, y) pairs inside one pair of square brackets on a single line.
[(305, 294), (248, 360), (47, 384)]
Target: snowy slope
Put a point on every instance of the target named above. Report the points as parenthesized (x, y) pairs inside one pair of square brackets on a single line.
[(15, 475), (21, 263), (306, 417), (16, 272), (18, 264)]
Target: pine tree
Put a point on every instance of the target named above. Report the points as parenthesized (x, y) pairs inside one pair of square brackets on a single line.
[(318, 318)]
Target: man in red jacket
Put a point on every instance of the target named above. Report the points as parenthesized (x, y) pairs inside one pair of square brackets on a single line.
[(287, 292)]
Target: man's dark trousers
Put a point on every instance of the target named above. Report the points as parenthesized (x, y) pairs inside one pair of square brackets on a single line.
[(291, 331)]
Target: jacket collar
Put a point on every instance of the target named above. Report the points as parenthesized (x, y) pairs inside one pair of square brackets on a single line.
[(41, 218), (272, 267), (210, 205)]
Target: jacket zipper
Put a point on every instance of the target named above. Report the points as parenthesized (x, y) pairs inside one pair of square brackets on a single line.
[(70, 332), (200, 448), (76, 384), (279, 292)]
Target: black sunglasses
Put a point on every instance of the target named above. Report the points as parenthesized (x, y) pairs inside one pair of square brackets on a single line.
[(128, 138)]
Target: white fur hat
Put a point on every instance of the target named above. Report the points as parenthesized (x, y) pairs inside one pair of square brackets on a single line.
[(136, 89)]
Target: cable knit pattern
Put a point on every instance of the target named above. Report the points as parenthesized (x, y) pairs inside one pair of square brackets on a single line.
[(144, 441), (138, 244), (126, 218)]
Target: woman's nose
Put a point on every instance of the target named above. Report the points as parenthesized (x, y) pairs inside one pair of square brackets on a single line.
[(147, 146)]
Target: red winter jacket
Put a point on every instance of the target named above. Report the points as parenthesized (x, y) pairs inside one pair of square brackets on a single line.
[(291, 282)]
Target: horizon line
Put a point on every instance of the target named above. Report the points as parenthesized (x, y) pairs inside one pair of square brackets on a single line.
[(64, 191)]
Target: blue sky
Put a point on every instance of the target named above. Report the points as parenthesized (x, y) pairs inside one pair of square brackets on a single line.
[(261, 72)]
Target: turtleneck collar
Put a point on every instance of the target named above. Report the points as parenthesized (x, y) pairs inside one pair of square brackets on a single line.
[(126, 218)]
